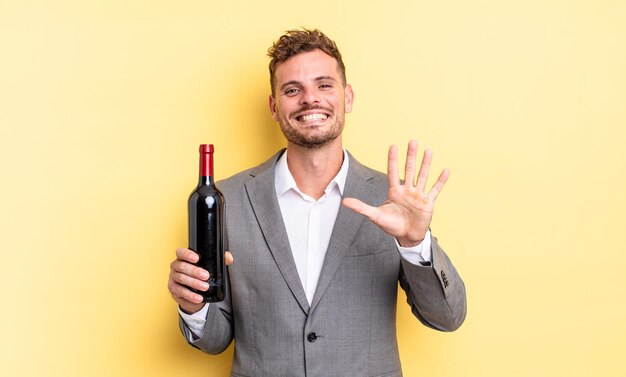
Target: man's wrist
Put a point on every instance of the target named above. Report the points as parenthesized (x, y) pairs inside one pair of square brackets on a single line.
[(192, 311), (419, 254), (404, 242)]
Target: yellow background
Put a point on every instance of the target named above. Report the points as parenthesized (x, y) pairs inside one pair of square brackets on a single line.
[(103, 104)]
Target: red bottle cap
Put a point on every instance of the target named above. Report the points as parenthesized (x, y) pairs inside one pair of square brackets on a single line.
[(206, 148)]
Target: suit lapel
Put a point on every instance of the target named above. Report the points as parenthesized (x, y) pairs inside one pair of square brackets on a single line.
[(346, 226), (262, 195)]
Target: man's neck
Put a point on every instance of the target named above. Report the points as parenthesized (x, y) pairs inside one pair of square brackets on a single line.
[(313, 169)]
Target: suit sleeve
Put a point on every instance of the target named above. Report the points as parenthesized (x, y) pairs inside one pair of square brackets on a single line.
[(435, 293)]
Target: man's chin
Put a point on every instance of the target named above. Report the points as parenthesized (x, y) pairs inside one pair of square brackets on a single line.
[(313, 135), (312, 142)]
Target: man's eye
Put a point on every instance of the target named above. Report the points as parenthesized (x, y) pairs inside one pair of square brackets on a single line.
[(325, 86), (291, 92)]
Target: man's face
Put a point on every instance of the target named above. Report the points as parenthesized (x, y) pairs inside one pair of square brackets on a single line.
[(310, 100)]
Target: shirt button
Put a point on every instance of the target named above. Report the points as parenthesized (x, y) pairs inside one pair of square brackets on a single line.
[(312, 337)]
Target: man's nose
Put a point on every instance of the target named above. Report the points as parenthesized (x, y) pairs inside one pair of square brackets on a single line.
[(309, 96)]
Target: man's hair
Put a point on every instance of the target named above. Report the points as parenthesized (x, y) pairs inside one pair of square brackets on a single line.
[(295, 42)]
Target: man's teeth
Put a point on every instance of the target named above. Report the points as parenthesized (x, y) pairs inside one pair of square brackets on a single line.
[(310, 117)]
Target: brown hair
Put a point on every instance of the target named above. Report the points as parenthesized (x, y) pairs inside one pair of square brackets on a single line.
[(295, 42)]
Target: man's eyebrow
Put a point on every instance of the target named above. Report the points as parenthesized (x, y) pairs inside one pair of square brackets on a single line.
[(320, 78)]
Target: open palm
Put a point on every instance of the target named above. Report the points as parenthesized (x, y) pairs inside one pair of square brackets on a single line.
[(408, 210)]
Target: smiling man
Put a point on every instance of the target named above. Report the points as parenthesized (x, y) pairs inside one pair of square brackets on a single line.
[(309, 103), (318, 242)]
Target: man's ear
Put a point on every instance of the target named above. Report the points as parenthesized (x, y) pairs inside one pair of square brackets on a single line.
[(273, 108), (349, 98)]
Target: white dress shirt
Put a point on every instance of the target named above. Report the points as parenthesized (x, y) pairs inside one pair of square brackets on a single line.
[(309, 224)]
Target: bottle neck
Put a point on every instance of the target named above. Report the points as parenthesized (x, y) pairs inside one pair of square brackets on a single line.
[(206, 169)]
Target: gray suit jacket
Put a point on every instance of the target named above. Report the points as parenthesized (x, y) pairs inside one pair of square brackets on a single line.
[(350, 327)]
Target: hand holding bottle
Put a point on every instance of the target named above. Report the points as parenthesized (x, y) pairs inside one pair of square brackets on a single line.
[(184, 274)]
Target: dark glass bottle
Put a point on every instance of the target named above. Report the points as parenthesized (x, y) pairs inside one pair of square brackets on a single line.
[(206, 224)]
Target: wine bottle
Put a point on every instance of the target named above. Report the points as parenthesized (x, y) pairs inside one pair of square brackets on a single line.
[(206, 223)]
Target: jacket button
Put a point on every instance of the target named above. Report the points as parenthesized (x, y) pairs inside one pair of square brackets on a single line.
[(312, 337)]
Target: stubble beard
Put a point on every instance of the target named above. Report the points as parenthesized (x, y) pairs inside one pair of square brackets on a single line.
[(312, 140)]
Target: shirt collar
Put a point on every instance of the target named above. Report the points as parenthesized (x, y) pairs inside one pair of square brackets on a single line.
[(284, 181)]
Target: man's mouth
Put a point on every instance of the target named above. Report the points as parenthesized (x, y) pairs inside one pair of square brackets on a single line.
[(311, 117)]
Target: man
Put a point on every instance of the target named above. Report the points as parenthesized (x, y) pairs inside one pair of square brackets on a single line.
[(313, 283)]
